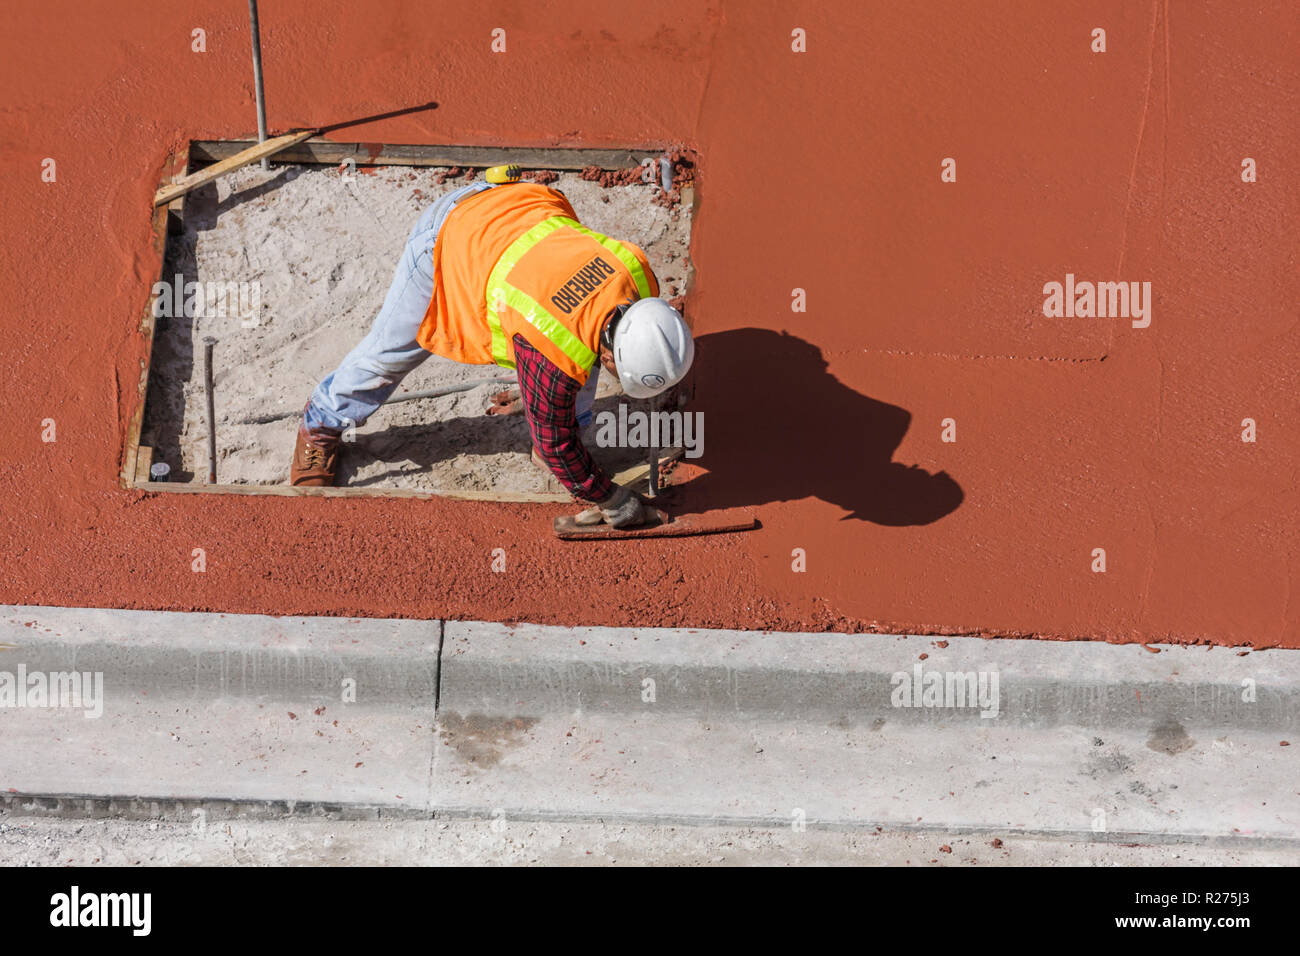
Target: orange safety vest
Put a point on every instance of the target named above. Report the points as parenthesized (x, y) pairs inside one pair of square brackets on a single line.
[(515, 260)]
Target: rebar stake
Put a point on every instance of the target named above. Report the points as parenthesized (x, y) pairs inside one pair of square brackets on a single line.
[(208, 342), (257, 77)]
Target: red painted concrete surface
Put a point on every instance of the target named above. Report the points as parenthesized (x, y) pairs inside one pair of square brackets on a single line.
[(819, 171)]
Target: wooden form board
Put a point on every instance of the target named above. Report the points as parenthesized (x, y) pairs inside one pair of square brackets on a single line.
[(167, 217), (632, 477), (244, 157), (324, 151)]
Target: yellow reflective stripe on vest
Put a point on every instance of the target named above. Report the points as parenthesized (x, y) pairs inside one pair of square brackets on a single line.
[(548, 325), (501, 293), (497, 289), (625, 257)]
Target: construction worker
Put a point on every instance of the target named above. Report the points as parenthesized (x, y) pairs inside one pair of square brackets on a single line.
[(505, 273)]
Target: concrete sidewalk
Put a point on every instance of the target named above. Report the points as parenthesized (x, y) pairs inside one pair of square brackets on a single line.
[(247, 716)]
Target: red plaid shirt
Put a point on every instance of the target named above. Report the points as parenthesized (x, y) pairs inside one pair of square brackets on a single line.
[(550, 398)]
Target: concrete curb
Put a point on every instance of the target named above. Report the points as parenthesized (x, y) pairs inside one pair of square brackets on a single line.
[(203, 656), (534, 671)]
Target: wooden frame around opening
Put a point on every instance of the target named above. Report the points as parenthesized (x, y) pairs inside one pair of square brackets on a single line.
[(168, 219)]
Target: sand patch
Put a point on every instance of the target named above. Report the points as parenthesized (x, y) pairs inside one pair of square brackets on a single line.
[(321, 247)]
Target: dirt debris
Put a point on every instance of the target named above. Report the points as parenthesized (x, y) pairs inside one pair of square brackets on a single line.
[(612, 177), (452, 172), (681, 160)]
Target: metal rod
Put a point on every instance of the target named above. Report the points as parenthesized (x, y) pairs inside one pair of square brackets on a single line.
[(450, 389), (653, 488), (257, 77), (208, 342), (404, 397)]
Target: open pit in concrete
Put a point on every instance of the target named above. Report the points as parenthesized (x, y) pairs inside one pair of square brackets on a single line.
[(299, 259)]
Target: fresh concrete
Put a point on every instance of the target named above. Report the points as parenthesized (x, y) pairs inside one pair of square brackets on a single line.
[(652, 728)]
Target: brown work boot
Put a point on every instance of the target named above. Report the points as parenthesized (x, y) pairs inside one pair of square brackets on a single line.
[(539, 462), (315, 459)]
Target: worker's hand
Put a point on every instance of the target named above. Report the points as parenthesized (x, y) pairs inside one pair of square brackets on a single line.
[(622, 509), (505, 403), (589, 517)]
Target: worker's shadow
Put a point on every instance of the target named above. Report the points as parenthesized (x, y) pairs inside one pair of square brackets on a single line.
[(780, 427)]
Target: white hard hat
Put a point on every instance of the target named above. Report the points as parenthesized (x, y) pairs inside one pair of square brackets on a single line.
[(653, 348)]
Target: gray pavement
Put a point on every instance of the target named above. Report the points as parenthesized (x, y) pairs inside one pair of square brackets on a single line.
[(290, 722), (34, 841)]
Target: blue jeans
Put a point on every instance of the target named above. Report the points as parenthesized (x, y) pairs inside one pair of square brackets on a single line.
[(371, 372)]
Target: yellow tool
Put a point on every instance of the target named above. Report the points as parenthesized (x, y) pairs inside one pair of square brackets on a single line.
[(503, 174)]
